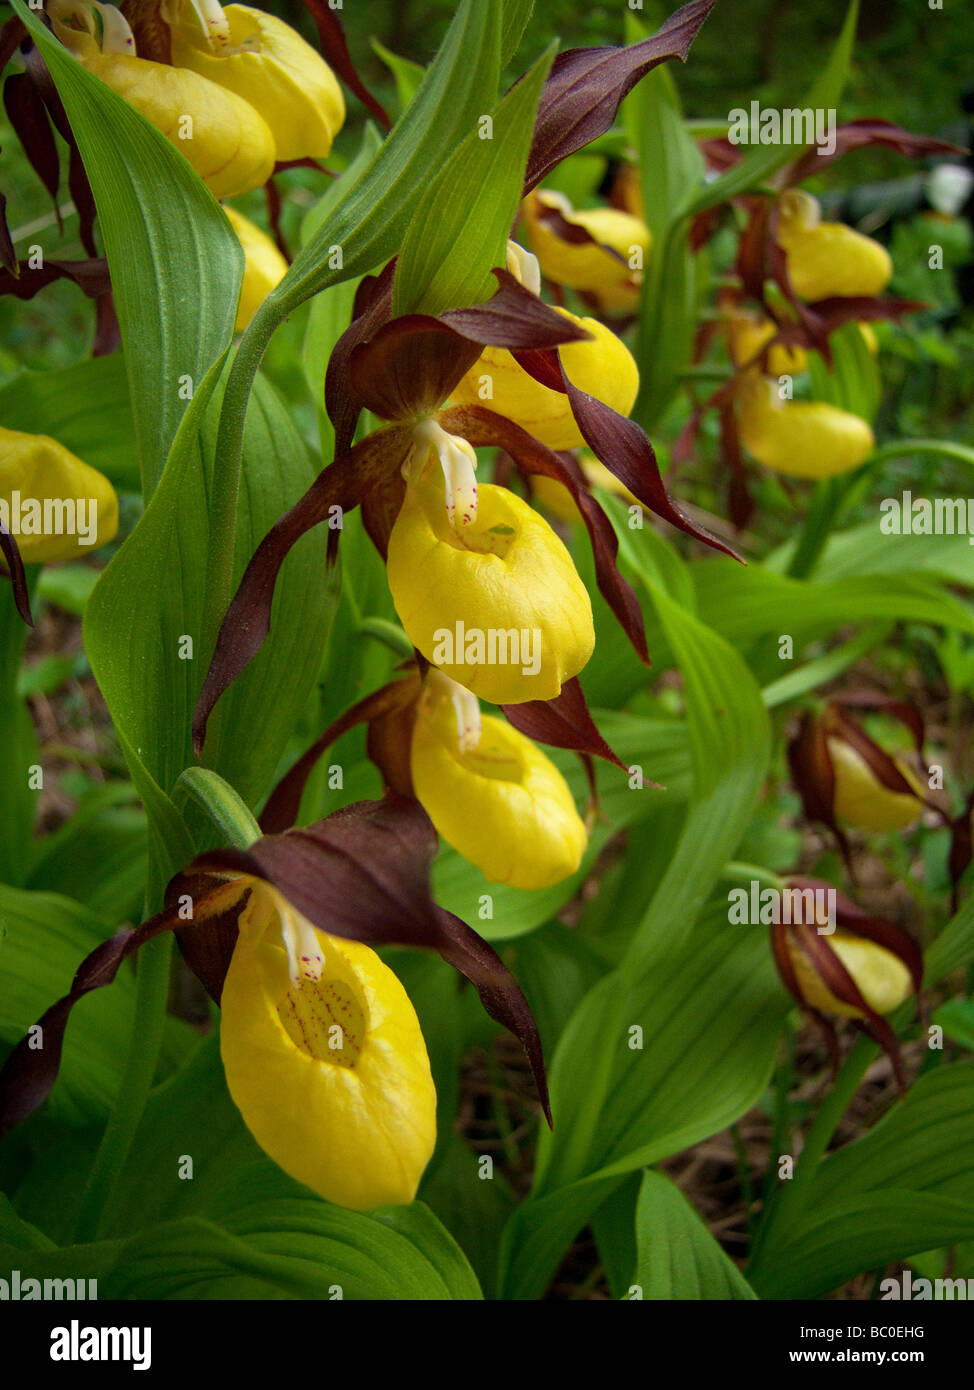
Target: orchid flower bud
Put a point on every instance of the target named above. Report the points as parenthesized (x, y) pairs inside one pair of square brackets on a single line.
[(828, 258), (268, 64), (881, 977), (264, 266), (325, 1059), (803, 439), (495, 603), (55, 506), (747, 334), (843, 774), (491, 793), (600, 260), (860, 798)]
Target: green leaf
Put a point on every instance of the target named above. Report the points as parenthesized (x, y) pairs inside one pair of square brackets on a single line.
[(710, 1010), (460, 228), (458, 87), (151, 680), (905, 1187), (86, 408), (407, 74), (764, 160), (677, 1257), (175, 263)]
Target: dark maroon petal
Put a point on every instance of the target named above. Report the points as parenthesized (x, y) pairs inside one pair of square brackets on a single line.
[(752, 249), (283, 804), (814, 776), (108, 334), (740, 503), (483, 427), (869, 130), (499, 993), (8, 255), (621, 445), (514, 318), (961, 847), (344, 484), (206, 943), (272, 197), (15, 569), (83, 199), (29, 1072), (572, 233), (409, 367), (587, 85), (380, 508), (12, 34), (335, 49), (372, 309), (27, 113), (564, 722), (91, 276)]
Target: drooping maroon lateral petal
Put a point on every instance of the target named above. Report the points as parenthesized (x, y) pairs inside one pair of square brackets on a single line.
[(343, 483), (27, 114), (8, 255), (499, 991), (334, 46), (283, 804), (29, 1072), (15, 570), (564, 722), (483, 427), (587, 85), (91, 276), (814, 776), (380, 508), (869, 130), (12, 34), (620, 444)]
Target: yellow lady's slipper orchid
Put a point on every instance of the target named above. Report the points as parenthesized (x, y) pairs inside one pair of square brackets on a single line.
[(324, 1058), (268, 64), (55, 506), (862, 800), (881, 977), (803, 439), (497, 604), (604, 263), (603, 367), (264, 266), (226, 141), (223, 137), (828, 258), (491, 793), (747, 333)]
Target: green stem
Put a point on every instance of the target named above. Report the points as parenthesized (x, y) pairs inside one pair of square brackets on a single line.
[(816, 529), (151, 995), (791, 1194), (225, 483)]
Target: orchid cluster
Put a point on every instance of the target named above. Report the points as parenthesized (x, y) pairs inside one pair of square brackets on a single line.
[(483, 448)]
